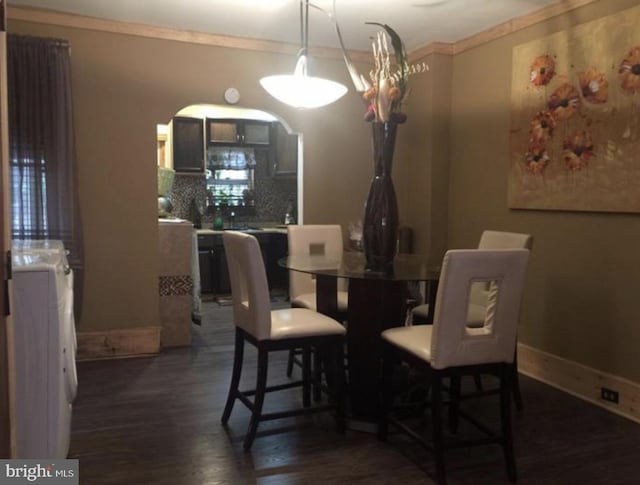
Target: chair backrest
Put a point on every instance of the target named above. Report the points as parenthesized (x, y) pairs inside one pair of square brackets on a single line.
[(312, 239), (498, 240), (249, 286), (505, 240), (453, 343)]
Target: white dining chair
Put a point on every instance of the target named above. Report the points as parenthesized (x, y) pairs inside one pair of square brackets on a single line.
[(480, 292), (273, 330), (323, 239), (488, 240), (450, 348), (311, 239)]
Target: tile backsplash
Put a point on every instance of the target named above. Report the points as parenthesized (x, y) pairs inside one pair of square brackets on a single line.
[(273, 195)]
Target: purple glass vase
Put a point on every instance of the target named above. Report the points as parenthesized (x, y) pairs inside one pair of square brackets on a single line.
[(380, 227)]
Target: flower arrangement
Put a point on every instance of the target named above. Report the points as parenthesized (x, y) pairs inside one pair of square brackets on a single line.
[(389, 87)]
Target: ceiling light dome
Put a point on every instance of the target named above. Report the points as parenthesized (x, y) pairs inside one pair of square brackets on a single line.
[(299, 89), (302, 91)]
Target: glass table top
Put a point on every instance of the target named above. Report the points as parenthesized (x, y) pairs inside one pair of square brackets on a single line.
[(406, 267)]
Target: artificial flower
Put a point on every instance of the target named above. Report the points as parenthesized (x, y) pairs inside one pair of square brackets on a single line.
[(629, 72), (389, 80), (543, 68), (564, 102), (578, 150), (594, 86), (536, 159), (541, 127)]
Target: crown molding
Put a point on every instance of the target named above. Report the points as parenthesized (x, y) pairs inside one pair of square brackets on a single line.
[(50, 17), (500, 30), (142, 30), (444, 48), (519, 23)]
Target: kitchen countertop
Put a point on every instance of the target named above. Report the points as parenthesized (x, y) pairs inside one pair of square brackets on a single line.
[(257, 227), (252, 229)]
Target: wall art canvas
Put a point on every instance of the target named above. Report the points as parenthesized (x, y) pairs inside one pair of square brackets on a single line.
[(575, 118)]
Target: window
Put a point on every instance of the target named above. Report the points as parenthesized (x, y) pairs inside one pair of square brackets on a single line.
[(29, 218), (230, 176), (42, 163), (231, 187)]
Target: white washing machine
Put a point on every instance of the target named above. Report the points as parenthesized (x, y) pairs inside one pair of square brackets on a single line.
[(44, 349)]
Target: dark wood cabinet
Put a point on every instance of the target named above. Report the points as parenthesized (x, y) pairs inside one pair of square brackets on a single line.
[(205, 261), (214, 275), (228, 132), (278, 249), (188, 145), (284, 152), (214, 272), (221, 279)]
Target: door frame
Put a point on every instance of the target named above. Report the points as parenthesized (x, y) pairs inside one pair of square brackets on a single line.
[(7, 394)]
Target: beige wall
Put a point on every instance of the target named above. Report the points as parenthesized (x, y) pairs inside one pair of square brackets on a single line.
[(423, 142), (450, 172), (122, 87), (582, 294)]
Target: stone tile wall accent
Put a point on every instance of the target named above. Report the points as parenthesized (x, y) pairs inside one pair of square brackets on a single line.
[(175, 285), (272, 195)]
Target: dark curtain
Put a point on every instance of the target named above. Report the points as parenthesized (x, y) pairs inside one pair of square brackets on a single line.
[(41, 144)]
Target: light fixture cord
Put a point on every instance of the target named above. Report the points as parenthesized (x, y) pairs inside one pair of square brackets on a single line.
[(304, 26), (359, 82)]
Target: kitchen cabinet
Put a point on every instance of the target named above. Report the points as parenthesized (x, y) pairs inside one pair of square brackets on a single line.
[(221, 279), (284, 152), (188, 144), (228, 132), (205, 261), (214, 272), (210, 253), (277, 275)]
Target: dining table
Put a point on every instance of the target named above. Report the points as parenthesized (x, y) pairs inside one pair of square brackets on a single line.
[(378, 300)]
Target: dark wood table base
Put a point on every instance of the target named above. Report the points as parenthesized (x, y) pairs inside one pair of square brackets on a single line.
[(374, 306)]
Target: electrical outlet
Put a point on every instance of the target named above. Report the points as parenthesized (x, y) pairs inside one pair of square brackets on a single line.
[(609, 395)]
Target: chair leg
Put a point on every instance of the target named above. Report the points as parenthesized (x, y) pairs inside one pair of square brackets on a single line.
[(335, 362), (306, 377), (478, 381), (317, 376), (290, 362), (515, 383), (235, 376), (386, 397), (505, 418), (436, 423), (454, 407), (261, 385)]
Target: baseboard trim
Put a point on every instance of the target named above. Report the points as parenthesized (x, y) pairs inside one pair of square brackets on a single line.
[(118, 344), (580, 381)]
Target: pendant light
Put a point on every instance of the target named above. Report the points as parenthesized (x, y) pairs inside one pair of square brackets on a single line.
[(299, 89)]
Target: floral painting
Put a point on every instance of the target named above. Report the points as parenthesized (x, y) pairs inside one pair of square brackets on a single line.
[(575, 118)]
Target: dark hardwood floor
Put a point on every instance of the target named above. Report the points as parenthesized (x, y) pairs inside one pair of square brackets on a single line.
[(157, 421)]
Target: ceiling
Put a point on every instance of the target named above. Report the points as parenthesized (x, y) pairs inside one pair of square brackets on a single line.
[(419, 22)]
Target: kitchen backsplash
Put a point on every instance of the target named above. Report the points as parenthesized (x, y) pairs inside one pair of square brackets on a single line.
[(273, 196)]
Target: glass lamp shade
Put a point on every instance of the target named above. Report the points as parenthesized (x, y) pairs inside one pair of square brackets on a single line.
[(302, 91)]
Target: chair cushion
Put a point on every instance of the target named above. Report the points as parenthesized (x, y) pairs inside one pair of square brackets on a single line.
[(308, 300), (421, 311), (301, 322), (415, 340)]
